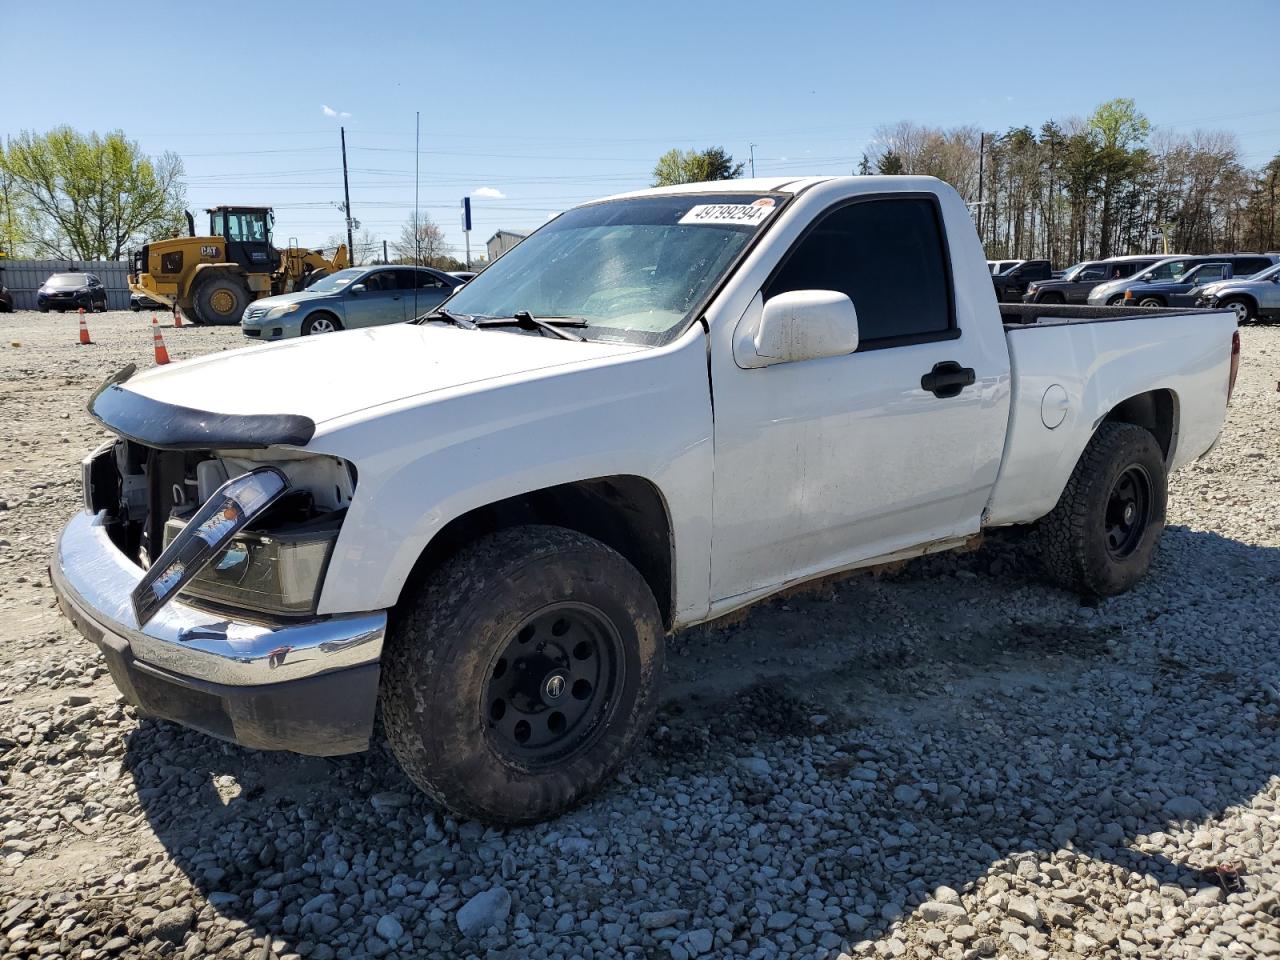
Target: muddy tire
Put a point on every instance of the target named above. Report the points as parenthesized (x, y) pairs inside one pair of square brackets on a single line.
[(220, 300), (522, 673), (1101, 536)]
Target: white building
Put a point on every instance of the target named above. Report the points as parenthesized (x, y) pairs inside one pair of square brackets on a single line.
[(502, 241)]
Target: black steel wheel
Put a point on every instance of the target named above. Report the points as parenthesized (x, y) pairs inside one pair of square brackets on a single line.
[(522, 673), (1128, 511), (1101, 537), (551, 688)]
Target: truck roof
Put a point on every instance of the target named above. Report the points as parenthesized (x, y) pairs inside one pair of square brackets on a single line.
[(793, 185), (744, 185)]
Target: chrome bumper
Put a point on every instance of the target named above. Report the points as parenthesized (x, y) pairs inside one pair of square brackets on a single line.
[(93, 578)]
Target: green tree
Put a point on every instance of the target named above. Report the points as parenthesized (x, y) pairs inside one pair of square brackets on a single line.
[(88, 197), (695, 166), (890, 163), (1120, 130)]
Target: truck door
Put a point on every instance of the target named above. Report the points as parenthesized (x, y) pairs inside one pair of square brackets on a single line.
[(822, 463)]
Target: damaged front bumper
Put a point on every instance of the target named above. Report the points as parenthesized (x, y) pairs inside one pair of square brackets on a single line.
[(309, 686)]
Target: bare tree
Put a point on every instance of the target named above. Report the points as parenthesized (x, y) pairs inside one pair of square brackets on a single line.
[(421, 241)]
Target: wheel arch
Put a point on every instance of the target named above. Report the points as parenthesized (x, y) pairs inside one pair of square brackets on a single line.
[(1155, 411), (625, 512), (1242, 295)]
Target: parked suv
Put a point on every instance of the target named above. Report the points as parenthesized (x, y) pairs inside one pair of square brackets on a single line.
[(1184, 290), (1252, 298), (1012, 284), (71, 291), (1074, 285), (1113, 292)]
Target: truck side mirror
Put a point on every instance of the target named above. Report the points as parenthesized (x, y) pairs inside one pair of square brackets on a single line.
[(802, 325), (357, 289)]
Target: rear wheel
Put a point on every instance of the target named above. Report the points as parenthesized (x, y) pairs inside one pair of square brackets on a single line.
[(1101, 536), (221, 299), (320, 323), (1242, 308), (522, 674)]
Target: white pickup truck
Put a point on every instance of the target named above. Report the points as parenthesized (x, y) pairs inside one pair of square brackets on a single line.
[(658, 408)]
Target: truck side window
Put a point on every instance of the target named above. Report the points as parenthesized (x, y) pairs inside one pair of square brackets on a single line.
[(887, 255)]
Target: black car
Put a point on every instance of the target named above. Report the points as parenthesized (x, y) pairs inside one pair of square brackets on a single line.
[(71, 291), (6, 299), (1012, 283), (138, 301)]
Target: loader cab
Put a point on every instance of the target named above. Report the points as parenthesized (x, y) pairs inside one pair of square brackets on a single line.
[(247, 232)]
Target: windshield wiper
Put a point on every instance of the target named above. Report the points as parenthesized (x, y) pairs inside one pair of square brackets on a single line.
[(457, 319), (524, 318)]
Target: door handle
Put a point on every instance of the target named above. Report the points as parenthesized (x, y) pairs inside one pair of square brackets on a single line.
[(947, 379)]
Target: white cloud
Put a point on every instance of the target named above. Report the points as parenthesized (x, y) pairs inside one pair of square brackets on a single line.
[(491, 193), (328, 111)]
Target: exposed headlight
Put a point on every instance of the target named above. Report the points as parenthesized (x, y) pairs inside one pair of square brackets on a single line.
[(272, 572), (276, 312)]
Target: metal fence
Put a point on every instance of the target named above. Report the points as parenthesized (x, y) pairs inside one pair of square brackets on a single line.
[(23, 278)]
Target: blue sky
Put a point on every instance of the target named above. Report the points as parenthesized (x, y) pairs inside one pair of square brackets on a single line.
[(540, 105)]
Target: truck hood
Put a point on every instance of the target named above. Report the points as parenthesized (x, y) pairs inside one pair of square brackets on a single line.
[(324, 377)]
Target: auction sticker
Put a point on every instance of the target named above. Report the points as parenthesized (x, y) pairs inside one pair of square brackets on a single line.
[(749, 214)]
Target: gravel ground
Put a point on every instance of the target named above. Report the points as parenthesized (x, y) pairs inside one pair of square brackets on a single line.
[(949, 760)]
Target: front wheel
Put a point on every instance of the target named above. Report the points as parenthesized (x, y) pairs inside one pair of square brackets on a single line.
[(1243, 310), (1150, 302), (1101, 536), (522, 674), (320, 323), (221, 299)]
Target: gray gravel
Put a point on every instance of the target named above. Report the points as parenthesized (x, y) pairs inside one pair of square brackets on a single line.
[(949, 760)]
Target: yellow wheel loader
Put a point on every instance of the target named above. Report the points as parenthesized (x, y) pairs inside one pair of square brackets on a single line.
[(212, 279)]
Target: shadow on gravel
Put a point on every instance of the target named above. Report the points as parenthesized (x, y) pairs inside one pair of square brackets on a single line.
[(1010, 728)]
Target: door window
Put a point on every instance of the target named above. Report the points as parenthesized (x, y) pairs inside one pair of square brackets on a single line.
[(383, 280), (1092, 273), (428, 281), (889, 256)]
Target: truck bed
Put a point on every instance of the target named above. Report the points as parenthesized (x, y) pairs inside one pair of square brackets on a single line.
[(1078, 364), (1056, 314)]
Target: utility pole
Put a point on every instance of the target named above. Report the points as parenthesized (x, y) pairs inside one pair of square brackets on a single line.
[(384, 252), (752, 148), (346, 197), (417, 227), (982, 145)]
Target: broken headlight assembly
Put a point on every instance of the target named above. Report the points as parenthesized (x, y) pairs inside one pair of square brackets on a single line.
[(275, 569)]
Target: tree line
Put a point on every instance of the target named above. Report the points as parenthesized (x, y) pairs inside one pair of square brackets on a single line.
[(1097, 187), (1075, 189), (65, 195)]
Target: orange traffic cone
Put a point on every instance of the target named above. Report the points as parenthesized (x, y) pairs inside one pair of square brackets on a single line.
[(84, 331), (154, 321), (162, 355), (177, 317)]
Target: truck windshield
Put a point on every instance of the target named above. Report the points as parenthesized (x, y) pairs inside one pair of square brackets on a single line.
[(633, 270)]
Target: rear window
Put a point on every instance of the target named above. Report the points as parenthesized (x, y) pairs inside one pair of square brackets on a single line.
[(67, 281), (888, 255)]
